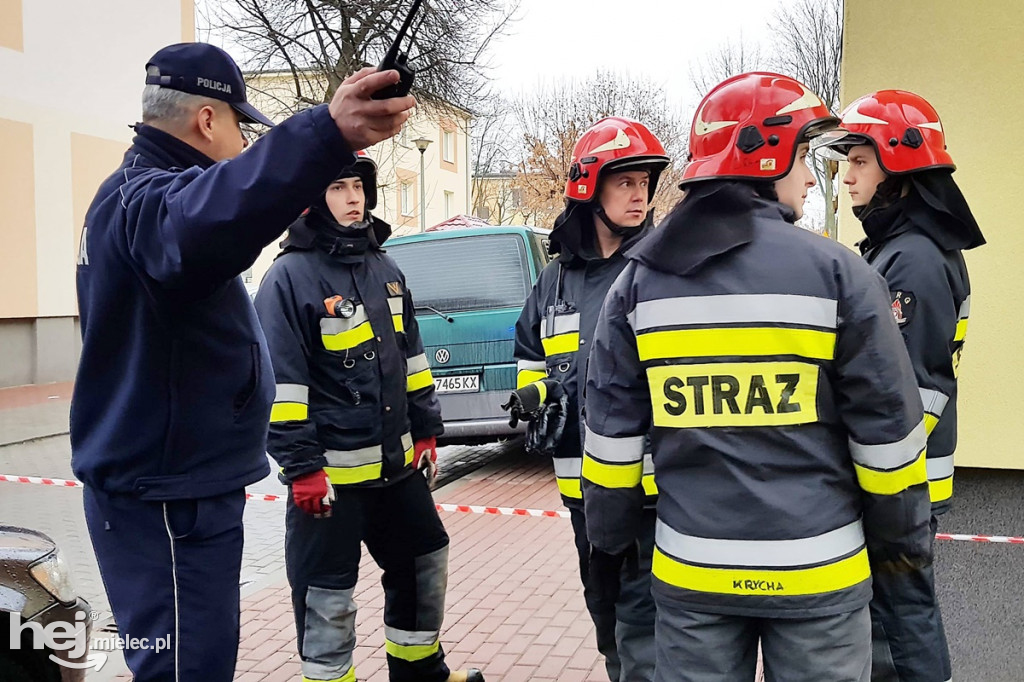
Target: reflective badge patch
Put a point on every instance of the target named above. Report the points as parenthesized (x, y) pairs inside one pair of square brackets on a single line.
[(394, 288), (903, 304)]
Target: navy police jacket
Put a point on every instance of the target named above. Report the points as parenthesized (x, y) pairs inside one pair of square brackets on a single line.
[(354, 389), (174, 386)]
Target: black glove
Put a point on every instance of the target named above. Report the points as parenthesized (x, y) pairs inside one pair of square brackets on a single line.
[(527, 403), (606, 570)]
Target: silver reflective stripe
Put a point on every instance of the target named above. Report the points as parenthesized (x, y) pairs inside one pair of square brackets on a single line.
[(761, 553), (329, 632), (354, 458), (648, 464), (568, 467), (531, 366), (735, 308), (417, 363), (395, 304), (292, 393), (934, 402), (410, 637), (939, 467), (336, 325), (406, 441), (888, 456), (965, 308), (563, 324), (616, 450)]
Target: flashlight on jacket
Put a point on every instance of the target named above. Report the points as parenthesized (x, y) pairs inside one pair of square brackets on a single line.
[(340, 307)]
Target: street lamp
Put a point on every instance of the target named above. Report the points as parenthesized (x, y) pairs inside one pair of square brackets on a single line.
[(422, 143)]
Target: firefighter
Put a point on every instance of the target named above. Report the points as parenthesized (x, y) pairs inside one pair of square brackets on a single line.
[(354, 419), (917, 224), (787, 431), (612, 180)]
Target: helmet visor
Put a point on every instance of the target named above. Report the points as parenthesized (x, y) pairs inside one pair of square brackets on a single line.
[(835, 145)]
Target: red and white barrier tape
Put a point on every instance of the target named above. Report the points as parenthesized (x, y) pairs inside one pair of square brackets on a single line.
[(496, 511)]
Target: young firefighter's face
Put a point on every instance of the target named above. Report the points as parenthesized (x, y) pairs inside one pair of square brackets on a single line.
[(346, 200), (792, 189), (864, 174), (623, 197)]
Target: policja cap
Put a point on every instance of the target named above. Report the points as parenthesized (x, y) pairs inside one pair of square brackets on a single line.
[(206, 70)]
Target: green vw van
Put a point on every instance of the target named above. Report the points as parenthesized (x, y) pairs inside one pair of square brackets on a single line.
[(469, 286)]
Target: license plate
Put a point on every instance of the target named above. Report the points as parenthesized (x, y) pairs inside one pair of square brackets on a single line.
[(459, 383)]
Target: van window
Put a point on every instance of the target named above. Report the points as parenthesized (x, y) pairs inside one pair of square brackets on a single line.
[(466, 273)]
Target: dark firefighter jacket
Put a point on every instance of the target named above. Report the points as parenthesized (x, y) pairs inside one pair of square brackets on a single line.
[(353, 393), (555, 331), (931, 302), (174, 384), (788, 433)]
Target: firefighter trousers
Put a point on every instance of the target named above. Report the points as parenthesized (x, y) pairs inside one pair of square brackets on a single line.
[(625, 635), (403, 533), (704, 647), (908, 638)]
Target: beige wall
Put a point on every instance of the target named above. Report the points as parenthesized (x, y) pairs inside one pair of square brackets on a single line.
[(11, 36), (188, 20), (17, 221), (965, 58), (92, 160)]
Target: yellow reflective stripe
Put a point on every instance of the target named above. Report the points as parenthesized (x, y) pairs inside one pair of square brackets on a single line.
[(563, 343), (528, 376), (570, 487), (763, 583), (349, 475), (419, 380), (410, 454), (350, 676), (930, 420), (348, 339), (961, 330), (288, 412), (941, 490), (612, 475), (892, 482), (399, 323), (414, 652), (749, 341), (650, 487)]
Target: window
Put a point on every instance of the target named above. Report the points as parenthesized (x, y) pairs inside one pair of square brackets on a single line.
[(448, 146), (403, 138), (483, 212), (449, 204), (247, 276), (483, 272), (406, 198)]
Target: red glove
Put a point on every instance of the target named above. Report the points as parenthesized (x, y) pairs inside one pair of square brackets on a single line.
[(424, 457), (312, 492)]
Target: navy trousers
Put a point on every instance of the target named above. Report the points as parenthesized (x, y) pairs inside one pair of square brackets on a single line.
[(171, 572)]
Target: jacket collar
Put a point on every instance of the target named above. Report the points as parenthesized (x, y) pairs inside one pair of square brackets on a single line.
[(166, 151), (573, 237), (313, 230)]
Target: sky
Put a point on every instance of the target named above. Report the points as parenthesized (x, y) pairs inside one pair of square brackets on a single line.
[(655, 39)]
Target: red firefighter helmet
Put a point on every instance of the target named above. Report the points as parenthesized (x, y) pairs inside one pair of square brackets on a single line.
[(611, 145), (749, 126), (903, 127), (364, 168)]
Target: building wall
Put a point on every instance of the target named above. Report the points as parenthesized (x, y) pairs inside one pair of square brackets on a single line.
[(965, 58), (68, 90)]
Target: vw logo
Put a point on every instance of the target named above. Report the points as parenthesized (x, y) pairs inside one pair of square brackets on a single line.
[(442, 356)]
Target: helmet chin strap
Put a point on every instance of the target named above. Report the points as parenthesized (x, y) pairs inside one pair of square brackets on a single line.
[(617, 230)]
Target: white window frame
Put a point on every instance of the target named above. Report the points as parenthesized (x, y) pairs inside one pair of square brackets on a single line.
[(406, 199), (448, 146), (449, 204)]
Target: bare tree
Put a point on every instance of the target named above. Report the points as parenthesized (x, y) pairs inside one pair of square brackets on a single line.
[(552, 119), (728, 60), (320, 42), (494, 162), (808, 45)]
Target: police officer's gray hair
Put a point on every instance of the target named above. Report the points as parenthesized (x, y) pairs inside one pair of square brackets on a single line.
[(166, 105)]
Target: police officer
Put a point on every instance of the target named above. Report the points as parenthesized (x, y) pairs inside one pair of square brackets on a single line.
[(917, 224), (174, 387), (354, 419), (612, 180), (788, 435)]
